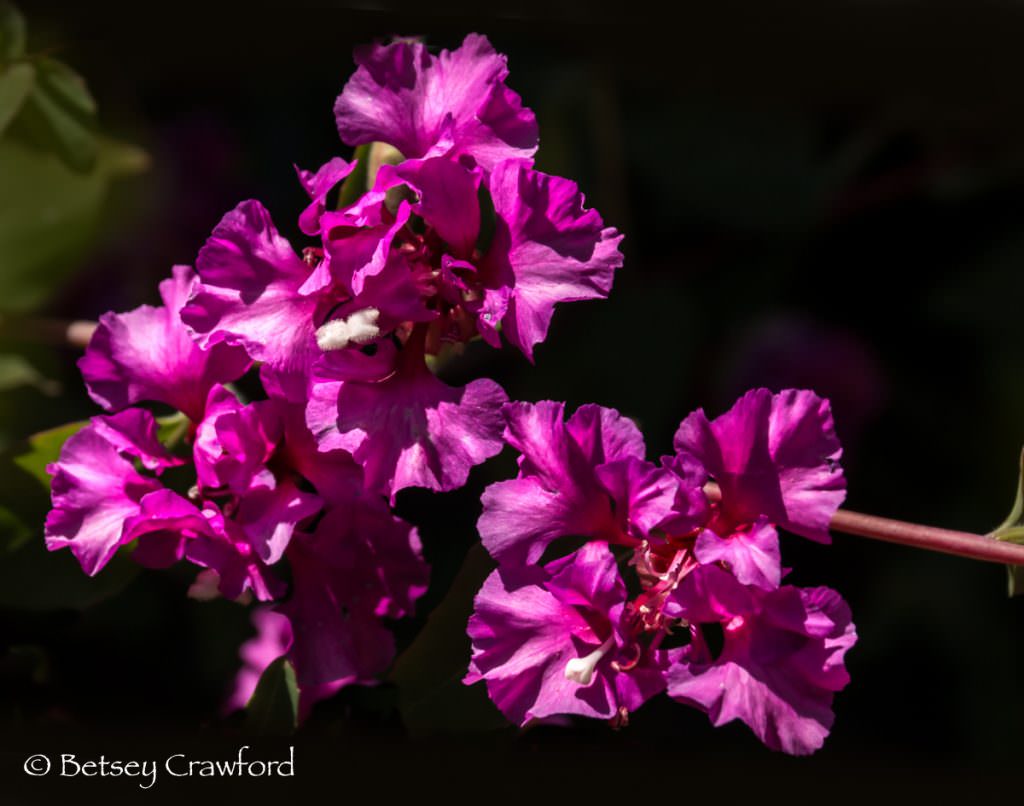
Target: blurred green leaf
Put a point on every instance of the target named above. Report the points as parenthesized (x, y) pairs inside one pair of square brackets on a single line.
[(16, 83), (15, 371), (12, 32), (32, 578), (53, 118), (66, 87), (431, 695), (51, 213), (273, 708), (1012, 530), (44, 448)]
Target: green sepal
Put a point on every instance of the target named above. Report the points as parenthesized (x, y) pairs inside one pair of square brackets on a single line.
[(273, 708), (354, 185), (1011, 530)]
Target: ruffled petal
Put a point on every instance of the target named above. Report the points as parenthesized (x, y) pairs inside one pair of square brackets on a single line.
[(424, 105), (248, 295), (547, 248), (147, 354), (407, 428)]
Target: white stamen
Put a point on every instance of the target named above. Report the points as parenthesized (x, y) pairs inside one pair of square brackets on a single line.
[(581, 670), (359, 328)]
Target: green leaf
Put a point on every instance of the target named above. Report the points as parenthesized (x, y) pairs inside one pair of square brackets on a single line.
[(1012, 530), (15, 371), (32, 578), (432, 698), (66, 87), (16, 82), (12, 32), (59, 125), (51, 215), (44, 448), (273, 708), (354, 185)]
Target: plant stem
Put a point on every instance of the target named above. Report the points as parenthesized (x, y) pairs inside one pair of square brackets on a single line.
[(932, 538), (962, 544)]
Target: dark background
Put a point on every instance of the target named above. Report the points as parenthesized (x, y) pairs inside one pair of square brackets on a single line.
[(820, 195)]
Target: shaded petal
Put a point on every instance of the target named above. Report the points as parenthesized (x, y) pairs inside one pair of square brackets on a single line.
[(448, 200), (359, 565), (164, 523)]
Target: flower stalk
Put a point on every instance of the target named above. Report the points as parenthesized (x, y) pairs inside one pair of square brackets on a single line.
[(932, 538)]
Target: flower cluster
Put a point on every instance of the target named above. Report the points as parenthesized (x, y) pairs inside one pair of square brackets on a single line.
[(617, 578), (287, 499), (678, 583)]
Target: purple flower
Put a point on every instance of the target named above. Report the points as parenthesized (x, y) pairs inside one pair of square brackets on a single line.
[(250, 294), (781, 662), (558, 640), (273, 639), (361, 565), (585, 476), (775, 456), (547, 248), (234, 444), (147, 354), (101, 502), (403, 425), (317, 185), (452, 104)]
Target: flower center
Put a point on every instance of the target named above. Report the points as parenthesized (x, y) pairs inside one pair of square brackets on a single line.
[(581, 670)]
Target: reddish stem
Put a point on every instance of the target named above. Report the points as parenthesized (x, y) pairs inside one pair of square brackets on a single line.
[(962, 544), (932, 538)]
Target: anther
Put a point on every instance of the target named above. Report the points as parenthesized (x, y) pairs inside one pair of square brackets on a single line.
[(359, 328)]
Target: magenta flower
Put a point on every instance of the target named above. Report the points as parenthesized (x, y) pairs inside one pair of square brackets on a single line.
[(403, 425), (547, 248), (698, 561), (453, 104), (101, 502), (273, 639), (361, 565), (558, 640), (775, 456), (147, 355), (250, 295), (781, 662), (585, 476)]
